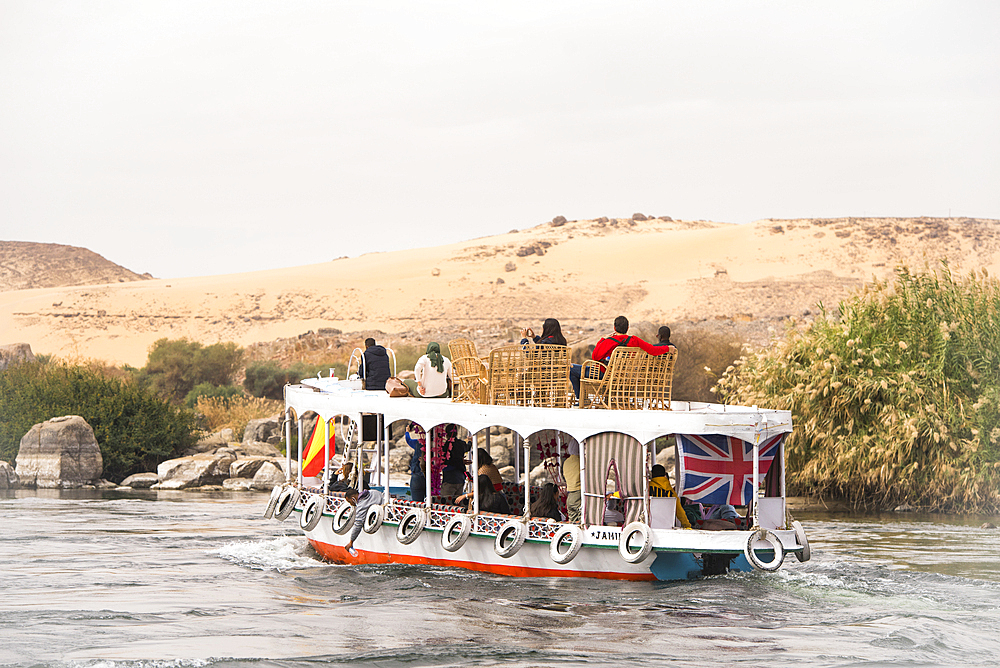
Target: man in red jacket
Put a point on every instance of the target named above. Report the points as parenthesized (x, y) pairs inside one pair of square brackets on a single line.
[(606, 346)]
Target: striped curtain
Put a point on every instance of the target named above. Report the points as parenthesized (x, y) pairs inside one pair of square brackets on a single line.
[(629, 457)]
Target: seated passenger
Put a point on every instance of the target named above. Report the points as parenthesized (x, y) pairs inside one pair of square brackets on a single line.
[(490, 501), (571, 474), (547, 503), (614, 515), (659, 485), (374, 369), (719, 518), (606, 346), (487, 467), (551, 334), (663, 334), (342, 481), (433, 374)]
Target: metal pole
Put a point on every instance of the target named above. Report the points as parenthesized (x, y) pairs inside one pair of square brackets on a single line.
[(515, 441), (583, 483), (300, 450), (475, 467), (385, 441), (429, 441), (288, 445), (526, 446), (645, 487), (757, 492), (326, 456)]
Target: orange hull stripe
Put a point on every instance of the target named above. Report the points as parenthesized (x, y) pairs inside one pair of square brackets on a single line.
[(338, 554)]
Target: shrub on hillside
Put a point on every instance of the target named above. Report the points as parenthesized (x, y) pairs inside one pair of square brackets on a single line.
[(896, 400), (135, 428), (702, 357), (210, 390), (267, 378), (175, 366)]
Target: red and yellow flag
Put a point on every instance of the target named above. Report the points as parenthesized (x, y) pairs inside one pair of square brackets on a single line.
[(313, 460)]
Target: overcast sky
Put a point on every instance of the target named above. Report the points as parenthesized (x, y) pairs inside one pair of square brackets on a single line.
[(195, 138)]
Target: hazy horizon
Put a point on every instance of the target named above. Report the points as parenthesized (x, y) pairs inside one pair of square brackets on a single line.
[(186, 139)]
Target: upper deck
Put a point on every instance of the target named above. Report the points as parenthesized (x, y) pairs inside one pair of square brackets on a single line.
[(329, 398)]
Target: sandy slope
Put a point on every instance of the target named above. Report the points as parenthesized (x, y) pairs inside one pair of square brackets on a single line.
[(582, 272)]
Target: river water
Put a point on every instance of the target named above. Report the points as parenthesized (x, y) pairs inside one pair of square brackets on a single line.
[(165, 580)]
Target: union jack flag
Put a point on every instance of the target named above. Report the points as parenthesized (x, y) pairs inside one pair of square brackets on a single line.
[(718, 469)]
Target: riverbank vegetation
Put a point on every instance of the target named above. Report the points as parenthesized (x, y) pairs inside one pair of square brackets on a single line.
[(135, 427), (896, 396)]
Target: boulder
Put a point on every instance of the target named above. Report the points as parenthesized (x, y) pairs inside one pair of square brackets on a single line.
[(8, 477), (272, 473), (264, 430), (59, 453), (15, 353), (538, 476), (207, 443), (141, 480), (237, 484), (193, 471), (256, 449), (246, 468), (399, 460)]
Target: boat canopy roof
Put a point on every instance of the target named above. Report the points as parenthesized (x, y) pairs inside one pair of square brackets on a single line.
[(330, 398)]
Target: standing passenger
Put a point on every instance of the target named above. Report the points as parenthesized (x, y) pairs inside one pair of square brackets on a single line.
[(571, 474)]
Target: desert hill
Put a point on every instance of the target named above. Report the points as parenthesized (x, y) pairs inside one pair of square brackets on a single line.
[(25, 265), (747, 278)]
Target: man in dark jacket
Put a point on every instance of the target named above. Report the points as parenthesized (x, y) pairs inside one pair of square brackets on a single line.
[(375, 366)]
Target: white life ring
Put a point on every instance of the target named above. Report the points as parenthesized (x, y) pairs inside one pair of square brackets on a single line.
[(514, 531), (273, 501), (312, 512), (343, 518), (647, 542), (286, 503), (575, 535), (450, 540), (410, 525), (800, 537), (373, 519), (765, 536)]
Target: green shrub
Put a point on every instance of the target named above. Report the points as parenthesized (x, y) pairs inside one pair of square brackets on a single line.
[(135, 428), (895, 400), (210, 390), (175, 366)]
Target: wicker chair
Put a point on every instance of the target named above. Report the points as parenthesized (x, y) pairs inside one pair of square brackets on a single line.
[(461, 348), (469, 371), (633, 381), (531, 375)]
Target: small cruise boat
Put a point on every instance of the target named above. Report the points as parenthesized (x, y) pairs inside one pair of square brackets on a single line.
[(726, 456)]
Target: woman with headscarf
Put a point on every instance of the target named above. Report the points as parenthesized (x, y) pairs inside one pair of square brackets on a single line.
[(433, 374)]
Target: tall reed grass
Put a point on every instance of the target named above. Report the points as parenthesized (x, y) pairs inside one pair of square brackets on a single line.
[(235, 412), (896, 399)]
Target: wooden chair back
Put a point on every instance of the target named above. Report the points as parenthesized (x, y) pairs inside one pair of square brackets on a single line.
[(530, 375), (470, 380), (633, 381)]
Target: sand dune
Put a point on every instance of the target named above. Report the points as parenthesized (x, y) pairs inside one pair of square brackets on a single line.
[(582, 272)]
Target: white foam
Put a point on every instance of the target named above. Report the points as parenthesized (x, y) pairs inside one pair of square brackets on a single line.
[(282, 553)]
